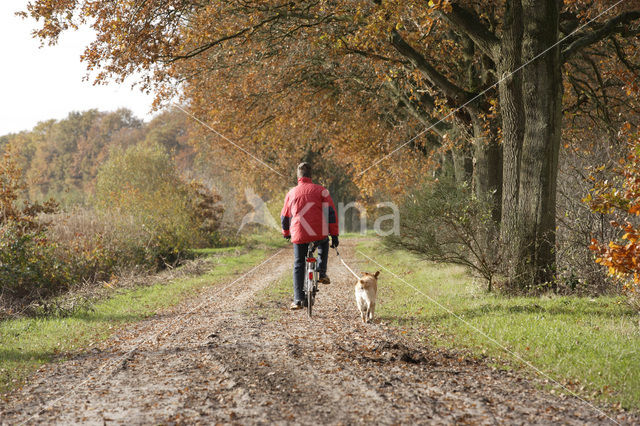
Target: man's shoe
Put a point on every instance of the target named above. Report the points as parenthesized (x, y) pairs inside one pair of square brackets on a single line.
[(297, 305), (324, 280)]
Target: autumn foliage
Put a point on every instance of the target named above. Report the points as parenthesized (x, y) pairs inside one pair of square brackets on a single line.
[(13, 209), (620, 198), (393, 93)]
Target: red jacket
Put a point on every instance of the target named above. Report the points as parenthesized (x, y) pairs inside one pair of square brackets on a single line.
[(308, 213)]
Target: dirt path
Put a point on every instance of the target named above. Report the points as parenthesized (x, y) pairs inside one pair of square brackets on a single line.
[(224, 362)]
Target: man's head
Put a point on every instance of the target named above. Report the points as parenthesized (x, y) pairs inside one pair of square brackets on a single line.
[(304, 170)]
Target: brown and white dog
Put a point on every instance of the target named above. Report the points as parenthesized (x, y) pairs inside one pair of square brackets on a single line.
[(366, 291)]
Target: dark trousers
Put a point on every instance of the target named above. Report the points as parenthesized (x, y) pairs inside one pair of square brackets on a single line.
[(299, 256)]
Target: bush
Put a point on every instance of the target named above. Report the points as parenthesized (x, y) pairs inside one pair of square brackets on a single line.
[(72, 248), (576, 225), (583, 159), (444, 222), (619, 200), (143, 184), (206, 212), (28, 267), (100, 244)]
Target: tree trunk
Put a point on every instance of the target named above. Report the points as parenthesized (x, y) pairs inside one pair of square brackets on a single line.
[(487, 188), (487, 156), (462, 165), (513, 124), (487, 170), (531, 225)]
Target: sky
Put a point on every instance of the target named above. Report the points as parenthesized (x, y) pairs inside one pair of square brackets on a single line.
[(37, 84)]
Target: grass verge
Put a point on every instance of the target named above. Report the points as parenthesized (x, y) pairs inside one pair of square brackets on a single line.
[(275, 298), (590, 345), (27, 343)]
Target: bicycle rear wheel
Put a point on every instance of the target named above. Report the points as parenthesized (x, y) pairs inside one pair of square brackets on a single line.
[(309, 297)]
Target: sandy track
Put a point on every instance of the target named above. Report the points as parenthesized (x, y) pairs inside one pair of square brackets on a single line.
[(227, 362)]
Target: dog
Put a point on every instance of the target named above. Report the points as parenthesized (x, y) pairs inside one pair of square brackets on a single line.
[(366, 291)]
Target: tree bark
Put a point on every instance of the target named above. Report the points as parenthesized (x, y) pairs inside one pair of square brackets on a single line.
[(462, 165), (513, 125), (542, 100), (487, 172)]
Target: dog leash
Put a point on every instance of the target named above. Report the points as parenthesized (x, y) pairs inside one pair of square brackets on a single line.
[(345, 264)]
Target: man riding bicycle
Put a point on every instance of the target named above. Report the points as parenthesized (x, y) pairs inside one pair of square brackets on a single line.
[(308, 215)]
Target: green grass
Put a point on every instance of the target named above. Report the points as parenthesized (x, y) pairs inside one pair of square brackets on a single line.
[(215, 250), (351, 235), (27, 343), (270, 238), (264, 239), (591, 345), (275, 298)]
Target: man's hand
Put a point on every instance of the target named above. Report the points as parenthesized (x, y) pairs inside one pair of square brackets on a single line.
[(334, 241), (287, 237)]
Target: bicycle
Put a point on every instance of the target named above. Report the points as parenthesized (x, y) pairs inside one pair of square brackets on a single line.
[(311, 276)]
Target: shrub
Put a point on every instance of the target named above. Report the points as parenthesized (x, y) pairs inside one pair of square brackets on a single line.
[(143, 184), (619, 200), (28, 267), (100, 244), (206, 212), (444, 222), (23, 214), (583, 158)]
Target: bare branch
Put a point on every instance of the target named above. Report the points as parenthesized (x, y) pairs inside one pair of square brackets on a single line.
[(440, 127), (587, 38), (623, 57)]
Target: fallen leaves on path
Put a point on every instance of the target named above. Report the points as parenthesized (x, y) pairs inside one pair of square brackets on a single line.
[(232, 363)]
